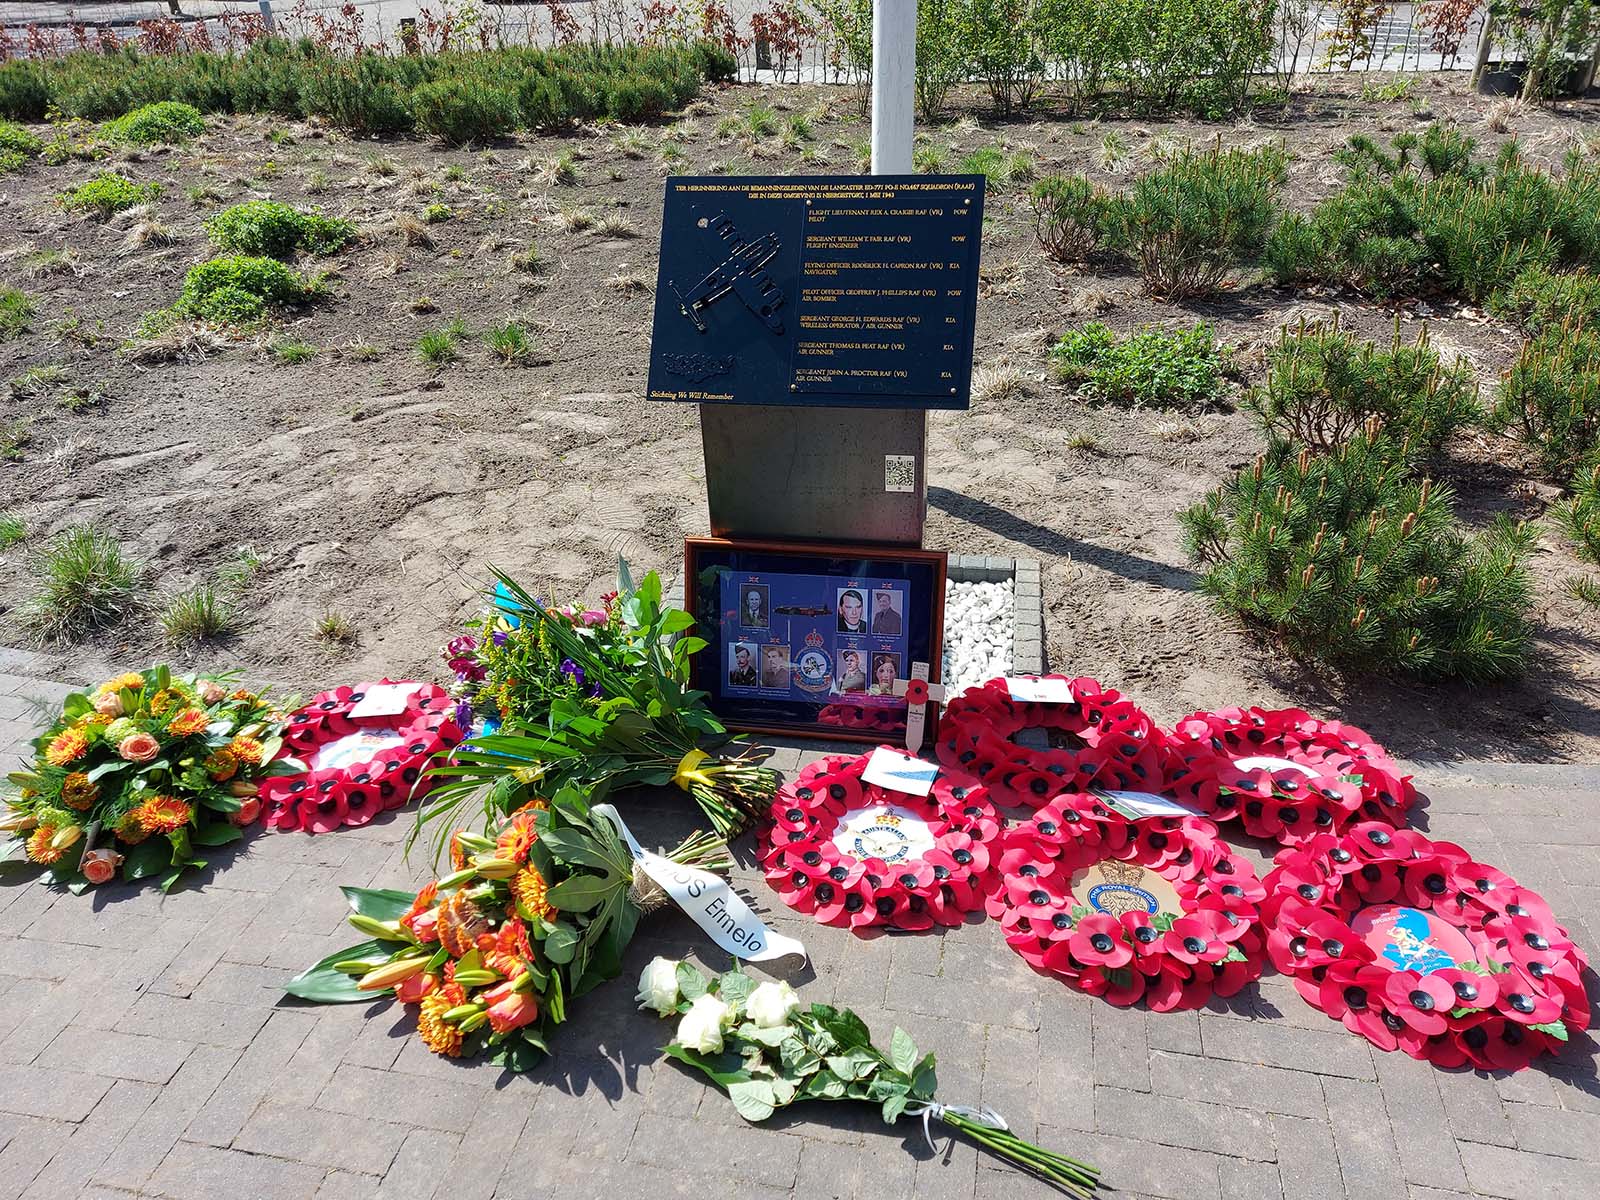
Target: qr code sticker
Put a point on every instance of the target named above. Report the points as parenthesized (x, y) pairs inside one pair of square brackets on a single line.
[(899, 473)]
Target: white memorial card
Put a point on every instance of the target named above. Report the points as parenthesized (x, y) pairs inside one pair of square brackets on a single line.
[(1138, 805), (1040, 691), (900, 772), (384, 700)]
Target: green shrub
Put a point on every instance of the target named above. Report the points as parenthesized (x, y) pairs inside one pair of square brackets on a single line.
[(108, 194), (1348, 556), (164, 123), (1551, 397), (1003, 49), (17, 146), (1181, 369), (277, 230), (238, 289), (1202, 215), (16, 310), (1070, 218), (1323, 386), (1539, 299), (24, 90), (458, 111), (1579, 515)]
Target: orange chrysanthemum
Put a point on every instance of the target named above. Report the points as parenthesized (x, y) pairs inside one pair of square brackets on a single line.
[(438, 1034), (66, 746), (78, 791), (517, 837), (222, 764), (39, 848), (245, 749), (243, 694), (189, 721), (165, 700), (531, 892), (130, 682), (508, 948), (459, 925), (96, 720), (129, 829), (458, 852), (163, 814)]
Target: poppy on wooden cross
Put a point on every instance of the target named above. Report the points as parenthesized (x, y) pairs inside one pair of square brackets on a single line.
[(918, 692)]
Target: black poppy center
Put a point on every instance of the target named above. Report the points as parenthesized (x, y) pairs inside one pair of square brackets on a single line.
[(1101, 942), (1522, 1002), (1194, 945), (1038, 897), (853, 903), (1466, 990), (1145, 934), (909, 881), (794, 814), (1355, 997), (1420, 1000), (885, 906), (812, 858), (838, 874), (962, 856), (1047, 827)]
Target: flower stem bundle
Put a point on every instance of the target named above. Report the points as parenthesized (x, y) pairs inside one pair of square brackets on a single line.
[(596, 699), (756, 1043)]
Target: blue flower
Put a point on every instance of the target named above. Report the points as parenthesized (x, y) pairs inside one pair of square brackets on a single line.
[(500, 637), (572, 669), (464, 714)]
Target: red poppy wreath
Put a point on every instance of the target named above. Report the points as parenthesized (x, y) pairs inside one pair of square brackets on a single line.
[(854, 854), (1111, 742), (1157, 909), (365, 748), (1415, 946), (1286, 775)]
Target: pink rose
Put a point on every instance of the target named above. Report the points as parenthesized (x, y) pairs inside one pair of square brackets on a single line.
[(107, 704), (211, 691), (138, 747), (98, 866), (249, 810), (593, 616)]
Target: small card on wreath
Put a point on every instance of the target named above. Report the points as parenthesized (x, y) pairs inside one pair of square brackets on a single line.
[(1136, 806), (1040, 691), (384, 700), (900, 772)]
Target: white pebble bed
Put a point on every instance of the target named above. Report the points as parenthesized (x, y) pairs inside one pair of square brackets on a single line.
[(978, 622)]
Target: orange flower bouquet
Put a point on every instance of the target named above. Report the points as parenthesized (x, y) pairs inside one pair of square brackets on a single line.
[(493, 953), (150, 766)]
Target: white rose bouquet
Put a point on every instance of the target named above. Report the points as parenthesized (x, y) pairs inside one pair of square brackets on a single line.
[(758, 1045)]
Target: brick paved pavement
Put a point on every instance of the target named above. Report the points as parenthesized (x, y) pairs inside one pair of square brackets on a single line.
[(144, 1050)]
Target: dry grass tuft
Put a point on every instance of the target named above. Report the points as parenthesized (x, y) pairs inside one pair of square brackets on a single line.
[(996, 385)]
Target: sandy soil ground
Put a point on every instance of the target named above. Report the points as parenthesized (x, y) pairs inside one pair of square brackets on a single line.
[(378, 487)]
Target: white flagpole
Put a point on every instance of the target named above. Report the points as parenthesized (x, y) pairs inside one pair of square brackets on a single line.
[(894, 75)]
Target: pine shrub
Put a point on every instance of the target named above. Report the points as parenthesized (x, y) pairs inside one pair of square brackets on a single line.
[(1348, 556), (1538, 299), (165, 123), (24, 90), (108, 194), (239, 289), (1182, 369), (1071, 218), (277, 230), (1579, 515), (1551, 397), (458, 111), (1203, 214), (1323, 386)]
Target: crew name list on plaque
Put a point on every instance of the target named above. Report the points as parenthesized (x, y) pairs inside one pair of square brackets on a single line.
[(853, 291)]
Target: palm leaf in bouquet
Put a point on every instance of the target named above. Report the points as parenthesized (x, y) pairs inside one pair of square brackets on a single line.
[(758, 1045), (595, 699), (493, 953)]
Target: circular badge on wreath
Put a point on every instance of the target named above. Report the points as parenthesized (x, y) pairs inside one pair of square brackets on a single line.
[(1286, 775), (1416, 946), (854, 854), (364, 747), (1157, 909), (1103, 738)]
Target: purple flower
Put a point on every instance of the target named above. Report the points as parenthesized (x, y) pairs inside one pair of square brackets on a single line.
[(572, 669), (500, 637), (457, 646), (464, 714)]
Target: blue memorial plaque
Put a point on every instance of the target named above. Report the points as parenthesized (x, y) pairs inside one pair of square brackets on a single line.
[(853, 291)]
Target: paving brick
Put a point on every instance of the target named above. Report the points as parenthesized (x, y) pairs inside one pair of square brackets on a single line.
[(32, 1143), (761, 1156), (1243, 1085), (1140, 1169), (1331, 1052), (421, 1166), (325, 1138), (343, 1185), (1243, 1179), (430, 1103), (1368, 1160), (159, 1127), (1308, 1163), (1171, 1122), (1121, 1054), (1555, 1131), (1516, 1175), (118, 1055), (1422, 1136), (71, 1167), (835, 1171), (205, 1173), (56, 1093), (1474, 1110), (193, 1020)]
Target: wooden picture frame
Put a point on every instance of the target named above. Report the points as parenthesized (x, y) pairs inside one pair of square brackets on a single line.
[(820, 625)]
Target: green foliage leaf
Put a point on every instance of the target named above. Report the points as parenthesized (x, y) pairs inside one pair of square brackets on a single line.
[(560, 943), (753, 1099), (146, 859), (691, 983), (322, 984), (1556, 1029), (219, 833), (582, 893), (382, 904), (903, 1052), (734, 987)]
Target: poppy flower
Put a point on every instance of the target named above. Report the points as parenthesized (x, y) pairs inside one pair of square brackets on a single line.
[(1423, 1002), (323, 812), (1098, 942), (1523, 999)]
